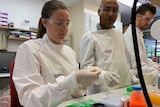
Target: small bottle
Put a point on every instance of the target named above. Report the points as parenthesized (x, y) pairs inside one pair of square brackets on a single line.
[(137, 98), (30, 35)]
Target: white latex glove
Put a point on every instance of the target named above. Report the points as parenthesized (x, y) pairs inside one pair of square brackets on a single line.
[(155, 59), (157, 67), (111, 78), (87, 77), (135, 80)]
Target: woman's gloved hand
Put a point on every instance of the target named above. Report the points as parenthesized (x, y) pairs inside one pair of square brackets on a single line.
[(87, 77), (111, 78)]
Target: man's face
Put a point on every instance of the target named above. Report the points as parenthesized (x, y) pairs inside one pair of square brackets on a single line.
[(108, 13), (143, 21)]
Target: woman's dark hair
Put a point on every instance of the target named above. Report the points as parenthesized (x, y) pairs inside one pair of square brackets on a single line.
[(146, 7), (48, 9)]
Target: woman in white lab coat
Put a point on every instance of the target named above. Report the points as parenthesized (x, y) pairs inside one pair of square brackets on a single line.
[(46, 72), (144, 15)]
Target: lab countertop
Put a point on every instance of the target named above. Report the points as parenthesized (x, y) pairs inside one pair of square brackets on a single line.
[(99, 96)]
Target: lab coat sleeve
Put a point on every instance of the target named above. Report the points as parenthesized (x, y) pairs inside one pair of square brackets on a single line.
[(151, 63), (148, 67), (133, 72), (86, 51), (32, 91), (87, 55)]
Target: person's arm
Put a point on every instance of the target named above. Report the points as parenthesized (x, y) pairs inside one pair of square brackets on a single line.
[(86, 51), (129, 52), (144, 62), (154, 64), (148, 66), (145, 67), (132, 72)]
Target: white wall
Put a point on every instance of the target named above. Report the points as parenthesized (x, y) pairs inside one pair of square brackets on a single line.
[(19, 10), (77, 28)]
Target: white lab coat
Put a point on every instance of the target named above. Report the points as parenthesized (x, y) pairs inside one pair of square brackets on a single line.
[(105, 49), (44, 73), (146, 63)]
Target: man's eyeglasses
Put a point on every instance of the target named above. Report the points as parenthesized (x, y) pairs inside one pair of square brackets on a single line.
[(146, 18), (108, 10), (58, 23)]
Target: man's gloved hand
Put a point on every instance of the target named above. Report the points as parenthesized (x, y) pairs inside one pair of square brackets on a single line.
[(155, 59), (111, 78), (157, 67), (87, 77), (135, 80)]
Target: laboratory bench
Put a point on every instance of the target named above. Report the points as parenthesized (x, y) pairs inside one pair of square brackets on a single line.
[(99, 96)]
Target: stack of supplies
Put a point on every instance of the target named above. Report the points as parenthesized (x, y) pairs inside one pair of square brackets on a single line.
[(111, 100), (3, 18)]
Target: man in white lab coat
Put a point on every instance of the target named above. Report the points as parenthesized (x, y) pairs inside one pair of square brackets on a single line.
[(144, 15), (106, 50)]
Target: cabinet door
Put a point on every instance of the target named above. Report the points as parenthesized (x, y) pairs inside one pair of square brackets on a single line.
[(3, 39)]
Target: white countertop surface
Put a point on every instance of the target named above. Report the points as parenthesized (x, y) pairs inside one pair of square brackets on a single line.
[(98, 96)]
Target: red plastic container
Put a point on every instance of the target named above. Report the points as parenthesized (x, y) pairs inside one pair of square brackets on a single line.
[(137, 98)]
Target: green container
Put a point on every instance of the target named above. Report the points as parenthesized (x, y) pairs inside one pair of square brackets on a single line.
[(129, 89), (87, 103)]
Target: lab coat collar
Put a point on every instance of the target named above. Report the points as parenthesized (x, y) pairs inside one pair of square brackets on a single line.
[(98, 27), (55, 46), (139, 31), (45, 37)]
